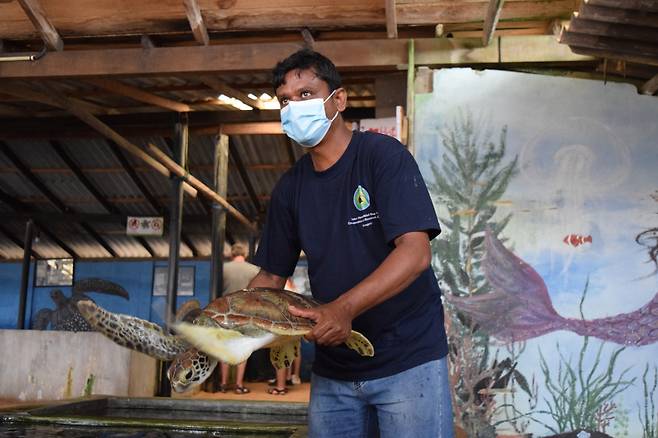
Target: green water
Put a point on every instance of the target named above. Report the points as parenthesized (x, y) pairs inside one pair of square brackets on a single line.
[(52, 431)]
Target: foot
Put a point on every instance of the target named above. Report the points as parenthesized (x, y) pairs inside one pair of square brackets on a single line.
[(277, 391), (242, 390), (296, 380), (223, 387)]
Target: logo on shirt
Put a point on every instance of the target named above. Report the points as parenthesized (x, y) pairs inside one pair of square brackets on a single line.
[(361, 198)]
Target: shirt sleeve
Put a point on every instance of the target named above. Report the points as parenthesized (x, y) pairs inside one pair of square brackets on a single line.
[(279, 248), (401, 196)]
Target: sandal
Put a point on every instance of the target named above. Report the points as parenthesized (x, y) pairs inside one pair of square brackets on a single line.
[(272, 382), (277, 391), (223, 388), (242, 390)]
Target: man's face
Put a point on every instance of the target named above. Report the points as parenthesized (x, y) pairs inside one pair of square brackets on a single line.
[(303, 85)]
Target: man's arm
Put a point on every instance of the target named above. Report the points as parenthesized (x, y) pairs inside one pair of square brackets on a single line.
[(399, 269), (266, 279)]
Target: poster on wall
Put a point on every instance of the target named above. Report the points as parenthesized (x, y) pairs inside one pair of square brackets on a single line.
[(185, 280), (54, 272), (547, 195)]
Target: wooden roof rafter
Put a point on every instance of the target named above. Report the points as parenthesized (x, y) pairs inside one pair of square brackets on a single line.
[(197, 24), (135, 93), (491, 20), (42, 24)]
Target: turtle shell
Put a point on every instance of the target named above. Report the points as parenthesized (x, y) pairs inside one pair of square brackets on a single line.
[(262, 308)]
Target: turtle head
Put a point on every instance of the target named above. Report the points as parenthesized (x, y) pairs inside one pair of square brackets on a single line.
[(190, 368)]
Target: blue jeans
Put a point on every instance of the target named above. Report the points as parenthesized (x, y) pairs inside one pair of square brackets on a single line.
[(414, 403)]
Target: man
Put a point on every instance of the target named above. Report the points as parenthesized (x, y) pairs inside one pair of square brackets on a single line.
[(236, 275), (357, 205)]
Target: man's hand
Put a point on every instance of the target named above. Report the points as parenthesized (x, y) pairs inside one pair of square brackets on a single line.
[(333, 323)]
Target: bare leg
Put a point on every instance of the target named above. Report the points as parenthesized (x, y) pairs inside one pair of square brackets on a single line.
[(239, 378), (225, 372), (296, 369)]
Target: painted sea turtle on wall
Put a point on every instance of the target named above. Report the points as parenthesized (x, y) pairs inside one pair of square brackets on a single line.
[(229, 329), (66, 316)]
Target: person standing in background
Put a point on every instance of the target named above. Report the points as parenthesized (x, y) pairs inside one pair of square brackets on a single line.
[(237, 274)]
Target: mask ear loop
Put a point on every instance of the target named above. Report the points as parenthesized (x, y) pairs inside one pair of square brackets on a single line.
[(329, 97)]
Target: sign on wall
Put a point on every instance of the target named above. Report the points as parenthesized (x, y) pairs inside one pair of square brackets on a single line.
[(185, 280), (144, 226)]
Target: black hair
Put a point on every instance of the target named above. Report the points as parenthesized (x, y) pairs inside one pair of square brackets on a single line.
[(306, 59)]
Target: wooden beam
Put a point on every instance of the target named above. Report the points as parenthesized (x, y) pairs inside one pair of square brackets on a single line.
[(622, 31), (491, 20), (12, 111), (650, 87), (635, 49), (223, 88), (307, 36), (105, 17), (196, 21), (41, 23), (61, 101), (391, 19), (139, 95), (381, 54), (184, 174), (644, 5), (590, 11)]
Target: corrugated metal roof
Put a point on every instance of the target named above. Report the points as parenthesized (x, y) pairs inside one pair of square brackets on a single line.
[(265, 158)]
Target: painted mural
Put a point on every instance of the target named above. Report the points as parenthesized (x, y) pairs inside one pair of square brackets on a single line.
[(547, 193)]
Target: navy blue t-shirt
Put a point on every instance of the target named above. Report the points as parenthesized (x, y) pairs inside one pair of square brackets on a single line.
[(346, 219)]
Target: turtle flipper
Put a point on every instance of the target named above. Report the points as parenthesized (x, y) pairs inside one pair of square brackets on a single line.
[(229, 346), (97, 285), (134, 333), (283, 355), (360, 344)]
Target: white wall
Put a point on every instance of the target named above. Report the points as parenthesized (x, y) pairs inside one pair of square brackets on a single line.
[(56, 365)]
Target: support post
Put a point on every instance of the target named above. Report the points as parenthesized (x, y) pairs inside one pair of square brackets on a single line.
[(175, 228), (25, 274), (219, 216), (411, 79)]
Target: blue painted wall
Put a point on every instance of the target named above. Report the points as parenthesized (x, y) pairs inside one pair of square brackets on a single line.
[(136, 277)]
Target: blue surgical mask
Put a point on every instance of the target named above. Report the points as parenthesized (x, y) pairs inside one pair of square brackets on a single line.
[(305, 121)]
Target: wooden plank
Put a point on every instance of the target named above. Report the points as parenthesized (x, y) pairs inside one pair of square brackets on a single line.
[(127, 17), (491, 20), (196, 21), (391, 19), (255, 128), (193, 181), (644, 5), (650, 87), (383, 54), (139, 95), (591, 27), (630, 47), (623, 16), (38, 17), (611, 54)]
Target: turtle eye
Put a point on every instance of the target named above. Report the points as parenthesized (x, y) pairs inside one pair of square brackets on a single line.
[(189, 374)]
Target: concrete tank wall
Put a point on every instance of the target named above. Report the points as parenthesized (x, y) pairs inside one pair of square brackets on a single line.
[(56, 365)]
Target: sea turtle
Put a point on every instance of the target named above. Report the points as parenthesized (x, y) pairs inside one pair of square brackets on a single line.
[(65, 316), (229, 329), (189, 366), (234, 326)]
